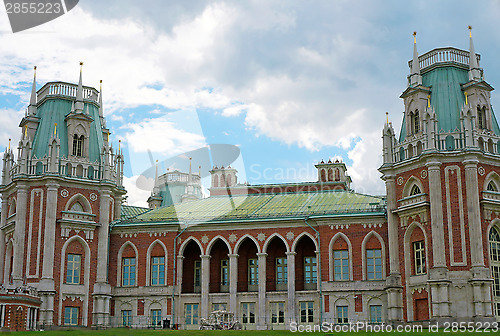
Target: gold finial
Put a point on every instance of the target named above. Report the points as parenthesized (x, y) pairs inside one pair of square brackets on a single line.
[(466, 100), (100, 83), (470, 31), (428, 100), (25, 130), (9, 143), (414, 37), (55, 129), (107, 136), (119, 145), (387, 117)]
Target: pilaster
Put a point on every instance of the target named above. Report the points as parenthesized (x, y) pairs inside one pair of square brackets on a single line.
[(205, 281), (436, 204), (290, 260), (261, 317), (233, 282), (3, 221), (19, 233)]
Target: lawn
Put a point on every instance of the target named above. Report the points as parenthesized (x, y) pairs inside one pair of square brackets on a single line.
[(133, 332)]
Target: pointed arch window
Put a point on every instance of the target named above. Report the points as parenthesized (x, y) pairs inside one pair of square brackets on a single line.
[(494, 242), (415, 190), (492, 186), (416, 122), (77, 207), (481, 117), (77, 145)]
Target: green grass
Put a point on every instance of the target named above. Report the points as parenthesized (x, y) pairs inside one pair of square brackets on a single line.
[(133, 332)]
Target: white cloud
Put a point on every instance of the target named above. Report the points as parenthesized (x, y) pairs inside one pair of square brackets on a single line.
[(136, 196), (161, 135)]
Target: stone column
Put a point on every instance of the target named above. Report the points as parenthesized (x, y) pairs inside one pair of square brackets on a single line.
[(436, 202), (3, 221), (19, 233), (46, 286), (261, 317), (102, 289), (393, 281), (290, 261), (233, 283), (205, 281), (178, 269), (473, 214)]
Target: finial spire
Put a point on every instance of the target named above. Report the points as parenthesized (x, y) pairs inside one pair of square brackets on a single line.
[(55, 129), (156, 188), (32, 105), (387, 117), (79, 93), (474, 71), (101, 111), (415, 77), (9, 144)]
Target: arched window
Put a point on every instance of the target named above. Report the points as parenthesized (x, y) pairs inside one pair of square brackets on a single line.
[(481, 120), (216, 181), (416, 122), (323, 176), (330, 174), (494, 239), (77, 145), (415, 190), (492, 186), (77, 207), (337, 175)]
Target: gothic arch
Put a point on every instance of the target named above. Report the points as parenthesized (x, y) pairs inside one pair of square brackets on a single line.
[(270, 238), (363, 252), (86, 276), (9, 252), (148, 260), (214, 239), (12, 207), (184, 244), (339, 235), (492, 177), (238, 243), (80, 199), (409, 186), (119, 264), (296, 241)]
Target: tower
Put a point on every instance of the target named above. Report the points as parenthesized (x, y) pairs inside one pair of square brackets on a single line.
[(61, 194), (437, 174)]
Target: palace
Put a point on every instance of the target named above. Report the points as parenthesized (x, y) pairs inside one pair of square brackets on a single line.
[(73, 254)]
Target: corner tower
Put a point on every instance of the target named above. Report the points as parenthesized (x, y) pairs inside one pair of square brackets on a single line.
[(440, 210), (58, 199)]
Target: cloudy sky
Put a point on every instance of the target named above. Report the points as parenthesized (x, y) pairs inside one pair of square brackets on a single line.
[(288, 82)]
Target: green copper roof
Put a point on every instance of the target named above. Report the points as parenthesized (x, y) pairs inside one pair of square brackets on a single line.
[(447, 96), (129, 211), (263, 206), (54, 111), (402, 134)]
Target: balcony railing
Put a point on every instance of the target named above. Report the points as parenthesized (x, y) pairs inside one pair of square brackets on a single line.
[(63, 89), (447, 55)]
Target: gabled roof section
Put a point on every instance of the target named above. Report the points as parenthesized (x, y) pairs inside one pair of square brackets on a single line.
[(129, 211), (262, 206)]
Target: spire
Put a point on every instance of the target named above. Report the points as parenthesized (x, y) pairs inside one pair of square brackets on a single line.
[(32, 105), (190, 176), (101, 113), (474, 72), (79, 93), (156, 188), (415, 77)]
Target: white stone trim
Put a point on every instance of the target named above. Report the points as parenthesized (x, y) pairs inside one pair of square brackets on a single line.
[(78, 197), (268, 240), (86, 279), (34, 192), (212, 242), (363, 253), (148, 262), (408, 265), (9, 252), (492, 176), (409, 185), (296, 241), (463, 246), (119, 266), (184, 244), (240, 241), (330, 254)]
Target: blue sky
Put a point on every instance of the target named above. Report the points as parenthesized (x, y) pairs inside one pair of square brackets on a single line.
[(288, 82)]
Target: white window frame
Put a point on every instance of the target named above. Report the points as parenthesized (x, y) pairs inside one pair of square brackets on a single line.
[(419, 257), (74, 269), (191, 315), (342, 314), (341, 256), (248, 312), (306, 312), (71, 311), (277, 311)]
